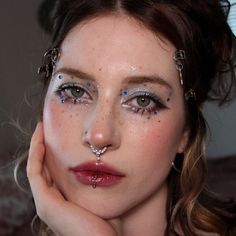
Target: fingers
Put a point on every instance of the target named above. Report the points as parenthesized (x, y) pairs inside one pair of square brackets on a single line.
[(35, 161), (36, 152)]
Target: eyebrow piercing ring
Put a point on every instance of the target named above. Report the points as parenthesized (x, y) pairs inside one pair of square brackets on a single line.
[(98, 152)]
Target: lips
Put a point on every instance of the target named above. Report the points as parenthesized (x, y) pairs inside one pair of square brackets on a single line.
[(97, 174)]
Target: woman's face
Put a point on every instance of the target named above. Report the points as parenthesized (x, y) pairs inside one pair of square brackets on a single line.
[(115, 85)]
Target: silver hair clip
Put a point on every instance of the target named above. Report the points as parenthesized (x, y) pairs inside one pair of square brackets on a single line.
[(190, 94), (178, 57), (50, 58)]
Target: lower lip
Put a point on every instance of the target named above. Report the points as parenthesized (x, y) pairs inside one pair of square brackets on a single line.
[(97, 178)]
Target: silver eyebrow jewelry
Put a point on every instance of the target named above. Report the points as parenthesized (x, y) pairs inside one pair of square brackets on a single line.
[(98, 152)]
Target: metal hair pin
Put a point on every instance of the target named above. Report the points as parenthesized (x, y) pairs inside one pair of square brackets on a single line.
[(98, 152), (178, 57), (51, 56), (190, 94)]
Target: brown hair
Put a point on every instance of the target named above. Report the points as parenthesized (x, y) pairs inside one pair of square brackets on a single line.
[(200, 29)]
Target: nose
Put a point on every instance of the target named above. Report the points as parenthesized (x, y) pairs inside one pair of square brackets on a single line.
[(100, 130)]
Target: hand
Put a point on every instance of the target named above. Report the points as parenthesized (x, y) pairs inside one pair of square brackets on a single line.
[(63, 217)]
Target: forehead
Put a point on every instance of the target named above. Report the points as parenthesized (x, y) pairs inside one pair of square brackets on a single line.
[(117, 43)]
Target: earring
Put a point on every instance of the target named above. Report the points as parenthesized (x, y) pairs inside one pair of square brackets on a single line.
[(175, 168)]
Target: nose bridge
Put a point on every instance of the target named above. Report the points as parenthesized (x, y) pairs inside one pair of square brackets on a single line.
[(100, 127)]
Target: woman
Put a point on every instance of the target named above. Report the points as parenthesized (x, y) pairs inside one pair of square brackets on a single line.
[(119, 149)]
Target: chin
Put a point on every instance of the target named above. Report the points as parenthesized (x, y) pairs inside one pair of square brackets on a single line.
[(105, 207), (106, 212)]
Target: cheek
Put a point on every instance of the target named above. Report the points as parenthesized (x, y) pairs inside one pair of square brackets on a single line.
[(62, 126), (156, 140)]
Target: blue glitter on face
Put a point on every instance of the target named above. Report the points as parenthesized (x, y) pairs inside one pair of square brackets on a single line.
[(60, 77), (125, 93)]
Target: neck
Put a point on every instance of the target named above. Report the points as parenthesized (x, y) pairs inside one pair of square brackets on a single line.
[(148, 218)]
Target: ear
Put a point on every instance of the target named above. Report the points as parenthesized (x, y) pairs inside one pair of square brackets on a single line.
[(184, 140)]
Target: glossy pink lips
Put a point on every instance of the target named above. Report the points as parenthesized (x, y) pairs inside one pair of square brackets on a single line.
[(97, 174)]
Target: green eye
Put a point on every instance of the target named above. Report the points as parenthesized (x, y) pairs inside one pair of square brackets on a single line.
[(77, 92), (143, 101), (74, 93)]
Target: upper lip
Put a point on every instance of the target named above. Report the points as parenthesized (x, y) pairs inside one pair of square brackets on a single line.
[(100, 167)]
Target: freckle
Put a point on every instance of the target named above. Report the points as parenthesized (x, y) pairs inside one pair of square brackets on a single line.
[(100, 69), (140, 67), (63, 111), (77, 114), (149, 117), (145, 85), (168, 99), (71, 116), (159, 121)]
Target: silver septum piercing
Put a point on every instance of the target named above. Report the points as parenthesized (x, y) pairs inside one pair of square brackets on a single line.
[(98, 152)]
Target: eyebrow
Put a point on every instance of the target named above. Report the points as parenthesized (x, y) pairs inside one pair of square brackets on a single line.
[(155, 79), (75, 72), (137, 79)]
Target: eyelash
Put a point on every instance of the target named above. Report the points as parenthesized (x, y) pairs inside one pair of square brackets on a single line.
[(64, 92), (153, 110)]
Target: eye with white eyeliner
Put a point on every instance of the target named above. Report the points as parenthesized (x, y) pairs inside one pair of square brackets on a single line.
[(74, 93), (144, 103)]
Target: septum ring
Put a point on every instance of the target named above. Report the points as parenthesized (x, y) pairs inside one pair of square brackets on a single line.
[(98, 152)]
